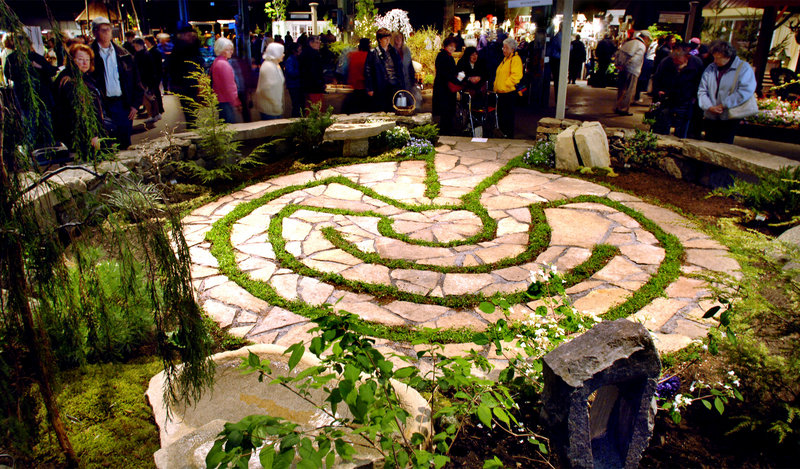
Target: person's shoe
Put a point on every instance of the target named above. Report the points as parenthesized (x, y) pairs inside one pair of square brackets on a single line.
[(157, 117), (623, 113)]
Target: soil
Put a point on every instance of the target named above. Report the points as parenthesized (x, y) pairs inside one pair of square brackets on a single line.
[(687, 197)]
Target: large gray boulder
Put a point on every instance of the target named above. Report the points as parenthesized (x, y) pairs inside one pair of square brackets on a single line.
[(187, 433), (599, 395), (592, 144), (566, 155)]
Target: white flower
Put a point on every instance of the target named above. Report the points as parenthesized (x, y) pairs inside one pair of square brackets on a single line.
[(554, 268), (731, 373), (691, 388), (735, 382)]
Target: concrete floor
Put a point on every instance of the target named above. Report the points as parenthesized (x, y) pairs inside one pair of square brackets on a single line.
[(583, 102)]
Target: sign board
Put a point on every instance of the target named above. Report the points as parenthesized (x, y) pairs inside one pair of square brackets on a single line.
[(672, 18), (35, 34), (528, 3), (615, 17)]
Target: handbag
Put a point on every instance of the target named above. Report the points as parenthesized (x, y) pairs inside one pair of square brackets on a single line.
[(747, 108)]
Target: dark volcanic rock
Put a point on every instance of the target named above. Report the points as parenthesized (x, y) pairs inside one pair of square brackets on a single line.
[(619, 361)]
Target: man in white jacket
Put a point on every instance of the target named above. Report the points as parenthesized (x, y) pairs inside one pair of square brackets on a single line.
[(629, 60)]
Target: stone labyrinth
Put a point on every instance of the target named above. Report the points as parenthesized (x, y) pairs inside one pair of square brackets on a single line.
[(368, 238)]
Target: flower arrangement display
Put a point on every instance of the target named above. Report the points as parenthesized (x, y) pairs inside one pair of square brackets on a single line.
[(777, 112), (395, 20)]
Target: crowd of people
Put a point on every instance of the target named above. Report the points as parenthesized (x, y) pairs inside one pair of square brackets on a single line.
[(696, 88), (693, 84)]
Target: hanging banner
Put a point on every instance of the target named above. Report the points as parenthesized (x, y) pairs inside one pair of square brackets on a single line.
[(528, 3)]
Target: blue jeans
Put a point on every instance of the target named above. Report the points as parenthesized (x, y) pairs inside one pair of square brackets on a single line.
[(298, 101), (122, 126), (227, 113), (678, 117)]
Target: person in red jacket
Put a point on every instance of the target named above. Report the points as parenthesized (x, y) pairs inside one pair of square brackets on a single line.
[(224, 82), (358, 100)]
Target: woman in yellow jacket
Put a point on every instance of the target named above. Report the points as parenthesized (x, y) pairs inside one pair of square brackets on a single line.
[(509, 74)]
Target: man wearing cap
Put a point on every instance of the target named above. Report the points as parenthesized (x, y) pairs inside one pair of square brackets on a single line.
[(118, 81), (629, 60)]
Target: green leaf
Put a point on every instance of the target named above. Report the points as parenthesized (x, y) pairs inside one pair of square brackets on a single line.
[(480, 339), (252, 360), (707, 404), (440, 460), (284, 459), (484, 414), (711, 312), (493, 463), (297, 353), (267, 456), (719, 405), (501, 415), (725, 318), (486, 307), (216, 455), (405, 372)]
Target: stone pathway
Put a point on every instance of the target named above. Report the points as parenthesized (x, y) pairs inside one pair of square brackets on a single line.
[(461, 165)]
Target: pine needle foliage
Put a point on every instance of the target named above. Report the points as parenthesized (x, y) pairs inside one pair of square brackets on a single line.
[(308, 132), (220, 152), (776, 194)]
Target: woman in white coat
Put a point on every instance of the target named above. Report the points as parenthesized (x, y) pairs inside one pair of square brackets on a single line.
[(269, 92)]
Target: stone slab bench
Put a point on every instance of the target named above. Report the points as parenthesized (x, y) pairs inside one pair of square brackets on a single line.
[(355, 136)]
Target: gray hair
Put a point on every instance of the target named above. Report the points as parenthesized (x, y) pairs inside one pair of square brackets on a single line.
[(510, 42), (221, 45), (723, 47)]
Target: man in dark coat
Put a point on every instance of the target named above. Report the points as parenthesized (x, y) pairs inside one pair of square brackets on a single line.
[(577, 56), (444, 99), (675, 86), (185, 59), (312, 80), (603, 53), (151, 79), (383, 73), (158, 69), (117, 79)]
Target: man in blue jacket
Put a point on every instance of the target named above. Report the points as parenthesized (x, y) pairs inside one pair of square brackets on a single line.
[(117, 79)]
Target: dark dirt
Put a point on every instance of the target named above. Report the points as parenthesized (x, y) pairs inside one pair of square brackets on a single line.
[(688, 197)]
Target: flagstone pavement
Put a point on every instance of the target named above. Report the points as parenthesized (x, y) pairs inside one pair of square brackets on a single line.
[(674, 319)]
